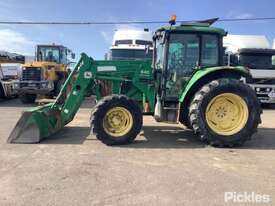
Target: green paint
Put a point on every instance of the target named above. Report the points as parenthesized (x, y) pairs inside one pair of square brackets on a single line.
[(199, 74)]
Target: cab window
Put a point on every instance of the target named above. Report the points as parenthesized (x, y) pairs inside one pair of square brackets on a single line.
[(210, 50), (183, 54), (159, 55)]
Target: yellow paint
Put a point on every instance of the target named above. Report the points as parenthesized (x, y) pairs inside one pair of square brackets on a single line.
[(49, 69), (117, 122), (227, 114)]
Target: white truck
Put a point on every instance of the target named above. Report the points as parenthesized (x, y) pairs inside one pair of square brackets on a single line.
[(131, 44), (9, 72), (255, 53), (273, 58)]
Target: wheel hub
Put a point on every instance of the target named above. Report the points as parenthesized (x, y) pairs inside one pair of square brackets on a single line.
[(227, 114), (118, 121)]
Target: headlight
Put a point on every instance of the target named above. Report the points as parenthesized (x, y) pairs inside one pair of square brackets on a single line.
[(258, 89), (268, 89), (15, 85), (50, 85)]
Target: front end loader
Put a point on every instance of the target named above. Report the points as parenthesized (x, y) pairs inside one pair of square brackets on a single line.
[(45, 76), (186, 83)]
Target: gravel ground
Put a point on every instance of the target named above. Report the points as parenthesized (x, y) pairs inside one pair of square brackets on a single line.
[(166, 165)]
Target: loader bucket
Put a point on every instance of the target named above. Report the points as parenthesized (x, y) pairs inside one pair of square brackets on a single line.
[(43, 121), (36, 124)]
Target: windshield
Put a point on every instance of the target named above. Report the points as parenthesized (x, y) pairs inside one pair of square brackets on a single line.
[(143, 42), (117, 42), (50, 54), (256, 61), (120, 54)]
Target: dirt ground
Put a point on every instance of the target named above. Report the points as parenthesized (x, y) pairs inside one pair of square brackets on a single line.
[(166, 165)]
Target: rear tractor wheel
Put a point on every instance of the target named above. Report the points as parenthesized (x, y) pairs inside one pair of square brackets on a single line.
[(225, 112), (116, 120)]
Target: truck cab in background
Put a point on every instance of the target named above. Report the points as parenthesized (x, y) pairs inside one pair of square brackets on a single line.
[(255, 53), (131, 45), (10, 71), (273, 58)]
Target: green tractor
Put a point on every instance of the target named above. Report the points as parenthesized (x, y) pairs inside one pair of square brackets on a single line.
[(186, 83)]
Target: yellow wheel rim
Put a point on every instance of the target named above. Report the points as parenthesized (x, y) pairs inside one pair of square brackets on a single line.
[(117, 122), (227, 114)]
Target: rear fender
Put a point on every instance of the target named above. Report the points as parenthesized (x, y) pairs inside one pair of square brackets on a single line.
[(203, 76)]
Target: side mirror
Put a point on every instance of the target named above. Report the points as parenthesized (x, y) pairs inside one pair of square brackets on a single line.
[(73, 55)]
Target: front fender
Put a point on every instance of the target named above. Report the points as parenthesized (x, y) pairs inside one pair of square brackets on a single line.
[(203, 76)]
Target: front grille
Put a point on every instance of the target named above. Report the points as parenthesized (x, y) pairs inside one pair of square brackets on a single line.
[(260, 81), (262, 95), (31, 74)]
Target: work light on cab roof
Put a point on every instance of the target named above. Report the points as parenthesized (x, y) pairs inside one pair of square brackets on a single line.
[(173, 20)]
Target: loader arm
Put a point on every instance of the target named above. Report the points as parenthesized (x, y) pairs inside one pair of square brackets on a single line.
[(88, 74), (81, 81)]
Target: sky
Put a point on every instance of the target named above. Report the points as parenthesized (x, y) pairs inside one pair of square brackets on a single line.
[(96, 39)]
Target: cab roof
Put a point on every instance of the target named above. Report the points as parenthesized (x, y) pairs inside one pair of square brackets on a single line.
[(50, 45), (194, 28)]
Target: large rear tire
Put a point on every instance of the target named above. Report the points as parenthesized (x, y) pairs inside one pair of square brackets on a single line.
[(225, 113), (27, 98), (116, 120)]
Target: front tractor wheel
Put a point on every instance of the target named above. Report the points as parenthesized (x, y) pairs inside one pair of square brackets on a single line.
[(116, 120), (225, 112)]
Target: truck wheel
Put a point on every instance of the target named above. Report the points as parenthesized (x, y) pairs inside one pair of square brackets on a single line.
[(225, 113), (116, 120), (2, 94), (59, 86), (27, 98)]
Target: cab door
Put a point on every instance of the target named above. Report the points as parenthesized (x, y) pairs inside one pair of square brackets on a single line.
[(182, 58)]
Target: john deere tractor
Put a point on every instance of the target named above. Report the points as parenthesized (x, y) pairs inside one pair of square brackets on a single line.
[(186, 83), (46, 75)]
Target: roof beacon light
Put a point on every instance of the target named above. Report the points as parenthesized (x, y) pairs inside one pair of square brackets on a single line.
[(173, 20)]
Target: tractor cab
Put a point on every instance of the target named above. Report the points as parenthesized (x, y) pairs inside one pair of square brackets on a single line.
[(53, 53), (179, 51)]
